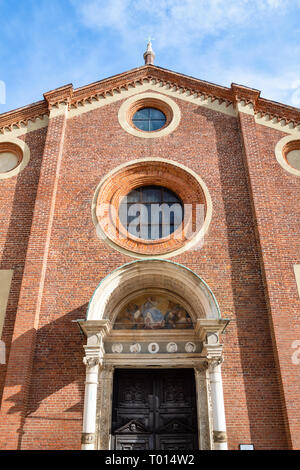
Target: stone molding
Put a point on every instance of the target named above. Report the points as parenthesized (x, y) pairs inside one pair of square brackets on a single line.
[(159, 101), (148, 274), (280, 153)]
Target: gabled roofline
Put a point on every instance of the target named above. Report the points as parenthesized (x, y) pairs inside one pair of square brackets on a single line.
[(151, 73)]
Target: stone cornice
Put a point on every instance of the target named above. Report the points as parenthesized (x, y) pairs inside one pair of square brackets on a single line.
[(149, 74), (277, 111), (60, 95), (245, 94), (20, 117)]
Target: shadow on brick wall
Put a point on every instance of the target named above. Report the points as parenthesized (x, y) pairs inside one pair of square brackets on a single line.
[(17, 237), (256, 364)]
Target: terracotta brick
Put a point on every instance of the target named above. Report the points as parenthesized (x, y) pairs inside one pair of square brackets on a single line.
[(48, 237)]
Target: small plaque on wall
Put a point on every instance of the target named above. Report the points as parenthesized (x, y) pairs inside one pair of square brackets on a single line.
[(246, 447)]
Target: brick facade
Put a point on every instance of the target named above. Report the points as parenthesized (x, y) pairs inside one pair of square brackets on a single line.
[(48, 238)]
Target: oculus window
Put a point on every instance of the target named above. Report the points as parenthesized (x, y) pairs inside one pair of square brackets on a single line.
[(151, 212), (149, 119)]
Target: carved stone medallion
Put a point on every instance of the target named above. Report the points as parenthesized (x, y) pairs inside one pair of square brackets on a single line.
[(190, 347), (153, 348), (172, 347), (117, 348), (135, 348)]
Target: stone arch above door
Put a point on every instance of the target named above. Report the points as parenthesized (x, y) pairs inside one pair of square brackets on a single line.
[(196, 346), (139, 275)]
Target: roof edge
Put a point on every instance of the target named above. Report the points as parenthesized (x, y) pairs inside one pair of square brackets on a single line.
[(114, 84)]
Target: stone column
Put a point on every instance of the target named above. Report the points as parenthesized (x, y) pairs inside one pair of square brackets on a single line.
[(95, 331), (204, 410), (209, 332), (90, 403), (217, 398)]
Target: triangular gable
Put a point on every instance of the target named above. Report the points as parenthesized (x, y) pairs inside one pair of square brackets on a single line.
[(200, 92)]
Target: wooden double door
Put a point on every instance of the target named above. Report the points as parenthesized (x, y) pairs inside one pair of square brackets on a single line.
[(154, 410)]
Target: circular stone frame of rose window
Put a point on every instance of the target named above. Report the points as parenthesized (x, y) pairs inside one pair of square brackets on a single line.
[(283, 147), (149, 100), (184, 182)]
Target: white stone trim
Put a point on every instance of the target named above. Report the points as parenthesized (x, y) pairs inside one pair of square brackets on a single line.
[(279, 153), (60, 110), (194, 241), (25, 159), (5, 282), (90, 403), (217, 397), (125, 124), (245, 108), (279, 125), (297, 276), (129, 277)]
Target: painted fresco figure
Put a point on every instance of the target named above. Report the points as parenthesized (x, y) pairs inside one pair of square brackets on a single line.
[(153, 318), (177, 317)]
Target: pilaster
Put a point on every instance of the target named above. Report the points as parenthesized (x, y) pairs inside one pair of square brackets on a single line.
[(281, 328), (19, 369)]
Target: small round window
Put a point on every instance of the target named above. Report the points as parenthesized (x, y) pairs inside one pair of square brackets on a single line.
[(12, 159), (8, 161), (149, 119), (293, 158), (151, 212)]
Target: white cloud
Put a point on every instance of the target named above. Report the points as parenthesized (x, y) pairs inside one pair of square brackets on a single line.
[(216, 40), (175, 22)]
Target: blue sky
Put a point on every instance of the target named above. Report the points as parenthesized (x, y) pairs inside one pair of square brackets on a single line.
[(47, 44)]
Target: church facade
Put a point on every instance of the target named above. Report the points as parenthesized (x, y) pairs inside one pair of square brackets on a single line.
[(150, 267)]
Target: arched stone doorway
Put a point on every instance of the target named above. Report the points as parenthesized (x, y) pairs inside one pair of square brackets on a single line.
[(153, 314)]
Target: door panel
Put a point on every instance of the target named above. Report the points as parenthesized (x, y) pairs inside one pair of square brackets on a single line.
[(127, 442), (154, 410)]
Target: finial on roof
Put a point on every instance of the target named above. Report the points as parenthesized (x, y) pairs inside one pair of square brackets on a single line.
[(149, 55)]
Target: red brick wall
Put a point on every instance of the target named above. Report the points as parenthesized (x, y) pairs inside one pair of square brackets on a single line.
[(209, 143), (275, 194), (17, 199)]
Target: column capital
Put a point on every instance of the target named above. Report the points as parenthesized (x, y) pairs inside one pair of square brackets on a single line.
[(208, 330), (91, 361), (99, 328)]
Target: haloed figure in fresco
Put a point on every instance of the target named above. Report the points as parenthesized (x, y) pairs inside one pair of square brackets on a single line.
[(153, 313)]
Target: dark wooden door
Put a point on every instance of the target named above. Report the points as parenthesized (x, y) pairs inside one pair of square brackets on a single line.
[(154, 410)]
